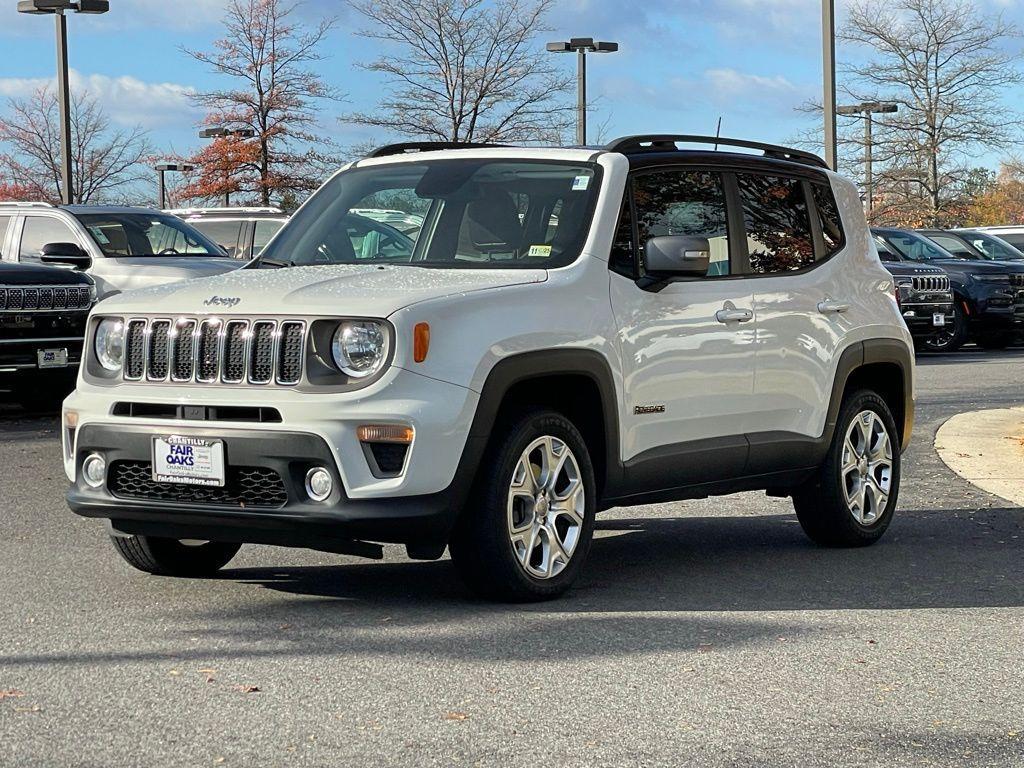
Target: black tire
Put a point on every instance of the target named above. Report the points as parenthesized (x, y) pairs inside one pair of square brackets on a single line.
[(169, 557), (481, 546), (994, 340), (949, 340), (821, 505)]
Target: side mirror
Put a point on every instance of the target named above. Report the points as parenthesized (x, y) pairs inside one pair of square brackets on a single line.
[(678, 256), (66, 253)]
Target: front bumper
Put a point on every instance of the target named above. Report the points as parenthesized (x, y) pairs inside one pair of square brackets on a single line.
[(996, 309), (416, 506), (275, 508), (920, 317)]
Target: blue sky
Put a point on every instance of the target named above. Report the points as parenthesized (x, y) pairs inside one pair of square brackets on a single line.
[(683, 63)]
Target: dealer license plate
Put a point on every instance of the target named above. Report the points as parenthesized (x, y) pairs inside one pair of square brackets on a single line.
[(188, 460), (52, 358), (938, 319)]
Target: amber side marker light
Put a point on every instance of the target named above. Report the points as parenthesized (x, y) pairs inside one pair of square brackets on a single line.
[(385, 433), (420, 342)]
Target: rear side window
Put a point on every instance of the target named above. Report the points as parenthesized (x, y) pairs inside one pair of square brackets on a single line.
[(831, 222), (1016, 240), (265, 229), (778, 223), (223, 233), (5, 224), (684, 202)]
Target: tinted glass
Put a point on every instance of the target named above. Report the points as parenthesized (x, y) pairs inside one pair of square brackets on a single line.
[(778, 223), (42, 230), (622, 259), (831, 221), (5, 224), (992, 247), (915, 247), (264, 230), (223, 233), (145, 234), (481, 213), (885, 252), (954, 245), (684, 202), (1017, 241)]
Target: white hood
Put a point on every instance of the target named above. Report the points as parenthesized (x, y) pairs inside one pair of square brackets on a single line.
[(356, 290)]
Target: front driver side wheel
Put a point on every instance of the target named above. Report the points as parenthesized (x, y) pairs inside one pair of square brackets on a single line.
[(527, 528), (171, 557), (851, 500)]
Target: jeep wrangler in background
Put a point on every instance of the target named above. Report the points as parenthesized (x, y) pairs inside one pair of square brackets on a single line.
[(572, 330)]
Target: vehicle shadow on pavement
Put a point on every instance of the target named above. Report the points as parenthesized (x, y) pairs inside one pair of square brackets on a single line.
[(928, 559)]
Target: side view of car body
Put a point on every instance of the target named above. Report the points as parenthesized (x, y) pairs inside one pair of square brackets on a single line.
[(121, 248)]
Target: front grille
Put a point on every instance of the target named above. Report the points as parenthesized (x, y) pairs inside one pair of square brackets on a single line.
[(44, 298), (244, 487), (1017, 280), (212, 350), (931, 283)]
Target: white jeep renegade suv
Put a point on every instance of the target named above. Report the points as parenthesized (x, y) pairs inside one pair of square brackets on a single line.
[(570, 330)]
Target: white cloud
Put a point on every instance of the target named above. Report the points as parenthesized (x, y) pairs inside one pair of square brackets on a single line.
[(126, 100), (730, 83)]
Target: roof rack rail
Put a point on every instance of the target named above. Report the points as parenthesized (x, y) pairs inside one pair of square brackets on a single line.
[(667, 143), (427, 146), (27, 204), (224, 209)]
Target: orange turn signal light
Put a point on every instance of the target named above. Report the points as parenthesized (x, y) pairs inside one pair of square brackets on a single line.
[(385, 433), (420, 342)]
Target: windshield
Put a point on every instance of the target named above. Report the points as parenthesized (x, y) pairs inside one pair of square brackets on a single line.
[(146, 234), (915, 247), (459, 214), (992, 247)]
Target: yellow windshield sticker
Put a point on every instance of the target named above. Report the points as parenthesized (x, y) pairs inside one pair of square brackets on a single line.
[(540, 250)]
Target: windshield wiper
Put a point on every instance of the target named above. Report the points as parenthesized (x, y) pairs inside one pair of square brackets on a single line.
[(275, 263)]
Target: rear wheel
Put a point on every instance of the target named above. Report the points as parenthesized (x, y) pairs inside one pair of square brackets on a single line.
[(171, 557), (527, 530), (950, 337), (851, 501)]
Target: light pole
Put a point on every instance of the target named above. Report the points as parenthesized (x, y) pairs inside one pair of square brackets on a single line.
[(162, 169), (828, 39), (220, 132), (57, 8), (581, 46), (866, 110)]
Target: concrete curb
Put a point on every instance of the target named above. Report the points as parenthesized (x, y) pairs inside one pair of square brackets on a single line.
[(986, 448)]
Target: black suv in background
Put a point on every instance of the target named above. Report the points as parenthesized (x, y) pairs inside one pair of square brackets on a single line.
[(243, 232), (970, 244), (43, 311), (925, 297), (988, 295)]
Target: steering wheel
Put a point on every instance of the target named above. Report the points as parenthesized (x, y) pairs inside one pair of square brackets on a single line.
[(169, 252)]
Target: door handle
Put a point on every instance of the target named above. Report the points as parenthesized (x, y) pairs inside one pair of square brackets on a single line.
[(833, 307), (734, 315)]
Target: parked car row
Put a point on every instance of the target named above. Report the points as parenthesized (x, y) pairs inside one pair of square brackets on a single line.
[(981, 299)]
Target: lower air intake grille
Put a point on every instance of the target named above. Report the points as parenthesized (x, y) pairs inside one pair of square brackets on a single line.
[(245, 487)]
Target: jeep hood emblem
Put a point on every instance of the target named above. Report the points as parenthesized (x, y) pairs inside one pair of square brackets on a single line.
[(222, 301)]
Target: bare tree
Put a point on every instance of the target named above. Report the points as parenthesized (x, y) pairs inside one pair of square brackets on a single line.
[(107, 163), (465, 70), (269, 56), (946, 67)]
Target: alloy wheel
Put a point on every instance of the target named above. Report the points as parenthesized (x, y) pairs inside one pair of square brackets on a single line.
[(546, 507), (867, 467)]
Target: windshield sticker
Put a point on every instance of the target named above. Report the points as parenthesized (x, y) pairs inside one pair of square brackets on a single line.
[(540, 250), (581, 184), (100, 236)]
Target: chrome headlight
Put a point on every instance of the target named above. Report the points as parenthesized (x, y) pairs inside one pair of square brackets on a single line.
[(360, 347), (109, 343)]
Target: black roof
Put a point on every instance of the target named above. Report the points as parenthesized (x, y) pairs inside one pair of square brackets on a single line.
[(40, 274)]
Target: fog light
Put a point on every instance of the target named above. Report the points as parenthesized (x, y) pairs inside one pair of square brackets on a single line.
[(94, 470), (319, 484)]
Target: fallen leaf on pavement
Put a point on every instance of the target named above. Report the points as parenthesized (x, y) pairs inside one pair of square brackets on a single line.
[(247, 688), (456, 716), (11, 693)]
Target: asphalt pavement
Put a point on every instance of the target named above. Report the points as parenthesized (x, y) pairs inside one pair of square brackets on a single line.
[(706, 633)]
